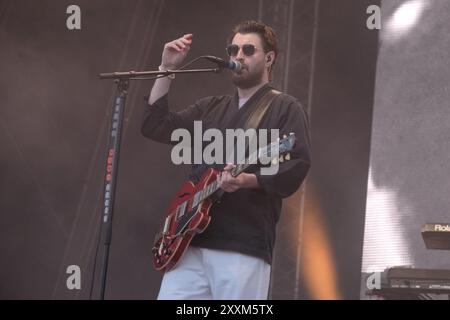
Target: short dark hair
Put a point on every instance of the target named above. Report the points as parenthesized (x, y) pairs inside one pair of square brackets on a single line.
[(266, 33)]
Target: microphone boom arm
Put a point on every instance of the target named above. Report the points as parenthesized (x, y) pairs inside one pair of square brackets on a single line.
[(136, 75)]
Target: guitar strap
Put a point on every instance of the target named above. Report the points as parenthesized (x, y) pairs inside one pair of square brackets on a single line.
[(254, 120), (258, 113)]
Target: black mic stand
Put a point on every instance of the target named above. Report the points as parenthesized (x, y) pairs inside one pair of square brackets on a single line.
[(122, 79)]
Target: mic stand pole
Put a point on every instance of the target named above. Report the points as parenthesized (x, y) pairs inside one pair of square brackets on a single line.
[(122, 79)]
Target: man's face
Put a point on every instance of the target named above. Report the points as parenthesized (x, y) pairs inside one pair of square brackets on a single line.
[(254, 66)]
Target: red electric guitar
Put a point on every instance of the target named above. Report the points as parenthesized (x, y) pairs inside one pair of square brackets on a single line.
[(188, 213)]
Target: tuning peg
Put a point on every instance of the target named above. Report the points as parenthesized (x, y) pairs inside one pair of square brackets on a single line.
[(275, 161), (287, 157), (284, 136), (291, 134), (281, 159)]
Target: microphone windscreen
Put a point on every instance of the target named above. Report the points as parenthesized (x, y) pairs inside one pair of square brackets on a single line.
[(237, 66)]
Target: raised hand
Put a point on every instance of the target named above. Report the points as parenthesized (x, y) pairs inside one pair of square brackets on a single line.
[(175, 52)]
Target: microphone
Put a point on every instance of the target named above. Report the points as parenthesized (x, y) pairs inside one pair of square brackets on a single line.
[(236, 66)]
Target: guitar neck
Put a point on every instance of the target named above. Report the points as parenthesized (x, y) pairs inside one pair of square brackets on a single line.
[(270, 151), (214, 186)]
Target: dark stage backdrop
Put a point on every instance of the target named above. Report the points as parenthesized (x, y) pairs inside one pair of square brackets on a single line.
[(54, 116), (341, 117)]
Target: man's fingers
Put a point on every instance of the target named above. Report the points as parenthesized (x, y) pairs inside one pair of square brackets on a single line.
[(223, 178), (229, 167), (186, 41), (173, 46), (228, 179), (180, 44), (183, 43)]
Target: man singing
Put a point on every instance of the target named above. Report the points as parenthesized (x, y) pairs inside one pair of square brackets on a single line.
[(232, 258)]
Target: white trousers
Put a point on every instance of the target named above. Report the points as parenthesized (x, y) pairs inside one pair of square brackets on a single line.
[(204, 274)]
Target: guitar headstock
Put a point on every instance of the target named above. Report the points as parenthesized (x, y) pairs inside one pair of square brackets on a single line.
[(279, 150)]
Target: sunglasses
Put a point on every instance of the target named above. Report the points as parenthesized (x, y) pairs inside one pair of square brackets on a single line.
[(247, 49)]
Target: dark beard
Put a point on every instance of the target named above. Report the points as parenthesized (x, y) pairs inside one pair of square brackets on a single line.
[(249, 81)]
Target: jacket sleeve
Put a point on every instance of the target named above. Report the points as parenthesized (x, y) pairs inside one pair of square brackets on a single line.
[(159, 122), (291, 173)]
